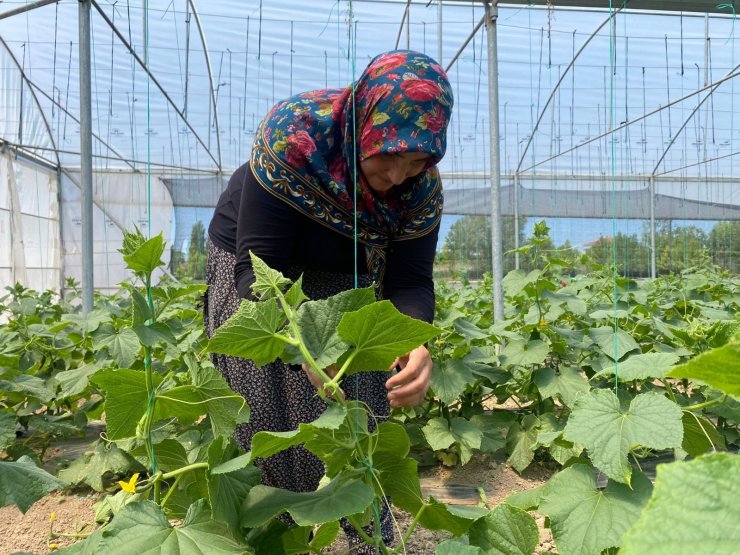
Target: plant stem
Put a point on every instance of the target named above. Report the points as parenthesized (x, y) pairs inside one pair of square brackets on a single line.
[(183, 470), (413, 524), (668, 389), (172, 489), (706, 404)]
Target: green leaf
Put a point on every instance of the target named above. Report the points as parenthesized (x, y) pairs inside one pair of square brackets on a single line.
[(89, 323), (527, 500), (123, 345), (267, 281), (642, 367), (252, 333), (147, 257), (318, 322), (155, 333), (208, 394), (493, 432), (719, 368), (584, 520), (608, 431), (227, 492), (456, 547), (450, 378), (232, 465), (94, 464), (335, 500), (143, 528), (75, 380), (521, 442), (7, 430), (139, 307), (379, 333), (695, 508), (604, 337), (568, 383), (505, 531), (524, 353), (297, 540), (295, 295), (125, 401), (699, 435), (28, 385), (325, 535), (465, 435), (469, 330), (516, 280), (22, 483)]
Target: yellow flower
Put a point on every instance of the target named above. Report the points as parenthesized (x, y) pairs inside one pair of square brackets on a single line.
[(52, 516), (53, 546), (543, 323), (130, 486)]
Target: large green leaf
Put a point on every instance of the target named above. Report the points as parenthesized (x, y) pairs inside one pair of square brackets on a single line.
[(75, 380), (125, 401), (333, 501), (456, 547), (566, 383), (521, 441), (318, 321), (609, 431), (695, 508), (96, 463), (642, 367), (267, 443), (252, 332), (610, 345), (142, 528), (227, 491), (22, 483), (699, 434), (465, 435), (147, 257), (7, 429), (123, 345), (208, 394), (450, 378), (719, 368), (379, 333), (28, 385), (524, 353), (506, 530), (266, 280), (584, 520)]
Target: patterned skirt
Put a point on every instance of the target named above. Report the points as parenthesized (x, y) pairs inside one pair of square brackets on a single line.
[(279, 395)]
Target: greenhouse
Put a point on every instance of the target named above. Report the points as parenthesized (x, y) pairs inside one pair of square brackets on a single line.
[(560, 249)]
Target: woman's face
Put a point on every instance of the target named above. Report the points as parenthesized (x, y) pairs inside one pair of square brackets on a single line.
[(384, 171)]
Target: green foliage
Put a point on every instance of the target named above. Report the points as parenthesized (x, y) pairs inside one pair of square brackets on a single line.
[(22, 483), (719, 368), (695, 508)]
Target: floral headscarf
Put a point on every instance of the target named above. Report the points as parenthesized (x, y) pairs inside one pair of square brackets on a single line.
[(308, 148)]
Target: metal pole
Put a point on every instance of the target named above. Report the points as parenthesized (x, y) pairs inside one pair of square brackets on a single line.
[(26, 8), (86, 176), (653, 272), (465, 44), (497, 258), (439, 32), (516, 221)]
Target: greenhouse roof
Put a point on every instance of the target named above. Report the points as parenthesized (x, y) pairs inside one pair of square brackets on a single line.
[(665, 86)]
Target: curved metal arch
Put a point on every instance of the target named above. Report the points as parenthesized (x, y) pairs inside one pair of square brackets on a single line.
[(557, 85), (210, 79), (726, 77), (25, 79), (632, 121), (154, 80)]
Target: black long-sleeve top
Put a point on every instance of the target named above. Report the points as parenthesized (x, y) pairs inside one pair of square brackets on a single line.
[(248, 217)]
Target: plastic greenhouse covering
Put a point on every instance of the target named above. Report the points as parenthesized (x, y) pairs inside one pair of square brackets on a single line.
[(600, 111)]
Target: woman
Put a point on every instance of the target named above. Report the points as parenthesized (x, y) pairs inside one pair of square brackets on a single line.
[(293, 205)]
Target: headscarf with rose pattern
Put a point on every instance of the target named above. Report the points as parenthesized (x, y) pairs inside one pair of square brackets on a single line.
[(308, 147)]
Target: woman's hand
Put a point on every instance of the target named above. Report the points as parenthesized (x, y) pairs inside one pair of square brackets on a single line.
[(409, 386)]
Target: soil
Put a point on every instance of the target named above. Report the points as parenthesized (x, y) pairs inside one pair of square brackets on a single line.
[(30, 532)]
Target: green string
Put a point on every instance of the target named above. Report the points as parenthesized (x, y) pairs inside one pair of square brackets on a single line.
[(612, 120), (730, 6), (148, 360)]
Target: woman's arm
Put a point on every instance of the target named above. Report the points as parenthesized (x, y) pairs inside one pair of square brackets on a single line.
[(408, 284)]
